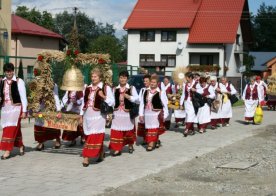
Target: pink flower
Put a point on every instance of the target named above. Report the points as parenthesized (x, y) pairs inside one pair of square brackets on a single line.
[(59, 116)]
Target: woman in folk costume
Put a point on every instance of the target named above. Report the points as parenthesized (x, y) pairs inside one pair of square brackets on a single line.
[(122, 128), (93, 121), (72, 101), (168, 88), (204, 113), (252, 97), (153, 110), (43, 134), (186, 99), (226, 109), (141, 132), (263, 87), (13, 104), (216, 115), (180, 113)]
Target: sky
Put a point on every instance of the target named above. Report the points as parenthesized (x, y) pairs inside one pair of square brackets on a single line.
[(113, 12)]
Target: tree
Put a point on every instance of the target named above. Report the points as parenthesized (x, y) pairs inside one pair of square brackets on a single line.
[(124, 42), (20, 70), (264, 25), (43, 19), (108, 44), (248, 61)]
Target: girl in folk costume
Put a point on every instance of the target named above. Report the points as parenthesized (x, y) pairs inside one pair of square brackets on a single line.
[(122, 128), (226, 108), (263, 87), (168, 88), (72, 101), (152, 110), (93, 121), (13, 104), (252, 97), (216, 115), (180, 113), (43, 134), (204, 113), (141, 132), (188, 88)]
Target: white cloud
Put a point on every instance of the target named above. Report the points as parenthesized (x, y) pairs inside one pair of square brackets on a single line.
[(113, 12)]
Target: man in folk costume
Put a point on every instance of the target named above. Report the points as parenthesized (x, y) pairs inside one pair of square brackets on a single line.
[(153, 110), (141, 132), (180, 113), (204, 114), (252, 97), (72, 101), (93, 120), (226, 108), (263, 87), (186, 99), (123, 128), (13, 104), (43, 134), (168, 88), (216, 115)]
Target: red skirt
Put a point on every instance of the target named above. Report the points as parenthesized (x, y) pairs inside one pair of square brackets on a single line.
[(152, 135), (12, 137), (72, 135), (43, 134), (93, 145), (118, 139), (141, 130)]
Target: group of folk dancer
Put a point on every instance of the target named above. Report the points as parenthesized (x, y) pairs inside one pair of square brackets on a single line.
[(154, 114)]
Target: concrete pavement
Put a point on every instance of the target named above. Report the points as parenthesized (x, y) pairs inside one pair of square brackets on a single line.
[(59, 172)]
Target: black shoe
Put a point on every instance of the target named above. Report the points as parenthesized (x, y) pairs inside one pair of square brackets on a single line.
[(186, 132), (130, 150), (116, 154), (101, 158), (85, 164), (158, 144), (176, 126), (150, 148), (5, 158), (40, 149), (23, 152), (82, 142)]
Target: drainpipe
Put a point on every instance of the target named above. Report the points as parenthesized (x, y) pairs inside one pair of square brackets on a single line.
[(224, 59)]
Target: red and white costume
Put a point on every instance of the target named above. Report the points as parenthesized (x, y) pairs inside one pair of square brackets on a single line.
[(42, 134), (169, 90), (72, 102), (226, 108), (179, 114), (186, 99), (154, 109), (122, 128), (93, 120), (11, 111), (204, 113), (216, 116), (251, 96), (141, 131)]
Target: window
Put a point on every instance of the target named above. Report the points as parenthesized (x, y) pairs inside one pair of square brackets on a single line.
[(147, 58), (30, 72), (169, 59), (206, 59), (168, 36), (147, 36)]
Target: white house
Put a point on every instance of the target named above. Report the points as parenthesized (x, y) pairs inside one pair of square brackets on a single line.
[(175, 33)]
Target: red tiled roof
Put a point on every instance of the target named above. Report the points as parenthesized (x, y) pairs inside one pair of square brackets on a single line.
[(23, 26), (162, 14), (217, 21), (209, 21)]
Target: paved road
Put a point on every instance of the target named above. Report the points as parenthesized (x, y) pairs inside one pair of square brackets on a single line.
[(61, 173)]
